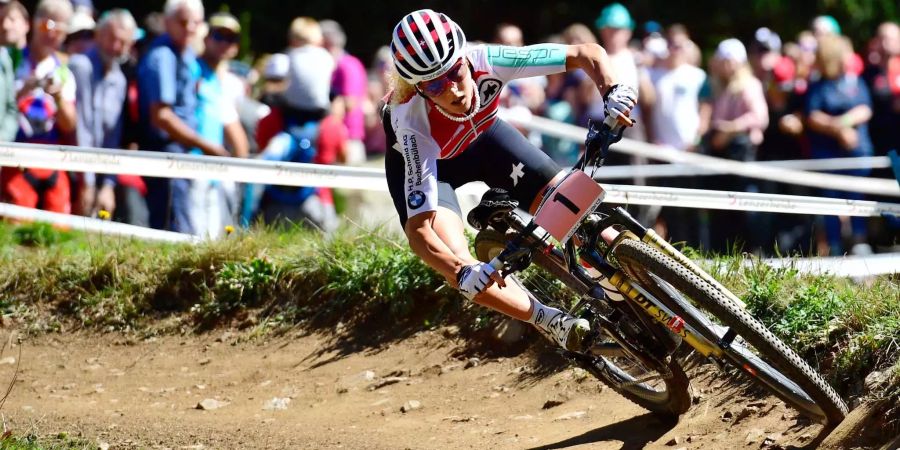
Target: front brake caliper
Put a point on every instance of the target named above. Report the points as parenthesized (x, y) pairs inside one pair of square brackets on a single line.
[(610, 252)]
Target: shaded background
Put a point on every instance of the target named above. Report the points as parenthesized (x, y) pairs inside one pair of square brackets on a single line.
[(368, 23)]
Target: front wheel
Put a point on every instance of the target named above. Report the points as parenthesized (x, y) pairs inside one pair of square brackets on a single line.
[(663, 390), (748, 344)]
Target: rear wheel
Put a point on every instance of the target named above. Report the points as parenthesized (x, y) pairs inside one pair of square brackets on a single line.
[(757, 352), (662, 390)]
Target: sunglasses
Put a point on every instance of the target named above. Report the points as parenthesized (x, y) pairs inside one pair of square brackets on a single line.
[(47, 25), (437, 86), (224, 36)]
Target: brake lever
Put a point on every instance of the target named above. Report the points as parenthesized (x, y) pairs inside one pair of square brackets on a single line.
[(511, 260)]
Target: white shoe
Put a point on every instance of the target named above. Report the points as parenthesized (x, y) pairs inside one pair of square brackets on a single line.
[(568, 331)]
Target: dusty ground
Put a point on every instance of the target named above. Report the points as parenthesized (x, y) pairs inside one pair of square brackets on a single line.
[(144, 394)]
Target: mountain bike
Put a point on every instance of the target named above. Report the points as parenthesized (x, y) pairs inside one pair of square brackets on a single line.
[(647, 302)]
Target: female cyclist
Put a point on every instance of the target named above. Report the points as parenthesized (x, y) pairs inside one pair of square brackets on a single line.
[(441, 117)]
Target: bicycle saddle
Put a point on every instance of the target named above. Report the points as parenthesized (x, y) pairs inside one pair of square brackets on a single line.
[(495, 201)]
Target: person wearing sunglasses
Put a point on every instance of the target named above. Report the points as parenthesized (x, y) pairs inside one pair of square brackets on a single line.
[(217, 122), (441, 118), (167, 78)]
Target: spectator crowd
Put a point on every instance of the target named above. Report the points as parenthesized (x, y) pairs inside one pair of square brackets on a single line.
[(173, 83)]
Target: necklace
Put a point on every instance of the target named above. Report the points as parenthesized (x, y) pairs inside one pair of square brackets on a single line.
[(460, 119)]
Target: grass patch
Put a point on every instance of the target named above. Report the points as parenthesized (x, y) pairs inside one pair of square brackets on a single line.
[(59, 441), (373, 287)]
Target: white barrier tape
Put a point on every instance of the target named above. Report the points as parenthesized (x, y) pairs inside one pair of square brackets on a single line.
[(94, 225), (848, 266), (747, 201), (169, 165), (734, 201), (296, 174), (683, 170), (750, 170)]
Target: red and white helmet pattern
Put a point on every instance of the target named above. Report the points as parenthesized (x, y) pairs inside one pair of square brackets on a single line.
[(425, 44)]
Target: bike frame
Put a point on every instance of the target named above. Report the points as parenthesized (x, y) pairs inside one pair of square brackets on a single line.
[(590, 240), (593, 250)]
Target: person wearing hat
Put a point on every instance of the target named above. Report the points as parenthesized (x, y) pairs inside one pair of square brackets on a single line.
[(275, 72), (81, 33), (616, 28), (739, 116), (214, 202), (825, 26)]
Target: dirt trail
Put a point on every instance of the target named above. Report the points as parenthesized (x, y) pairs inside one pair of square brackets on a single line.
[(144, 394)]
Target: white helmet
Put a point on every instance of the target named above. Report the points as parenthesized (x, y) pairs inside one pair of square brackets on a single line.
[(425, 44)]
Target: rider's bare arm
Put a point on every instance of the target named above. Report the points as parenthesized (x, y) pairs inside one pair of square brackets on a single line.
[(593, 60), (428, 245)]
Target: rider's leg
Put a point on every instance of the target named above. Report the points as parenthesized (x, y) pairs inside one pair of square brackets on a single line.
[(513, 300)]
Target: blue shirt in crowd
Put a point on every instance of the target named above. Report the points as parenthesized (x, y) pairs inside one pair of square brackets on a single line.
[(836, 97), (100, 100), (212, 107), (167, 76), (99, 103)]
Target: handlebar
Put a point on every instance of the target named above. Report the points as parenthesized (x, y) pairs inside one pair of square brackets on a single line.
[(517, 256)]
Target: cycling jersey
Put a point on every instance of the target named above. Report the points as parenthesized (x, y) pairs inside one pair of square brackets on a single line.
[(424, 135)]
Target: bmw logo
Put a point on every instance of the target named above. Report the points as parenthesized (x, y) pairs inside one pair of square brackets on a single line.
[(416, 199)]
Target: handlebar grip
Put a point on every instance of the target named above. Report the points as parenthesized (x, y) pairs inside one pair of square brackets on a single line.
[(496, 263), (614, 123)]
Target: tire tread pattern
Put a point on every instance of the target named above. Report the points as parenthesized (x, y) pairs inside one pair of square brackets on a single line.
[(634, 253)]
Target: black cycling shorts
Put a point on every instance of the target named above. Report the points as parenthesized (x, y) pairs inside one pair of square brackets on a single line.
[(501, 158)]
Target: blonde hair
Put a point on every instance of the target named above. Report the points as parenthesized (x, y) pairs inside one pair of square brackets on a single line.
[(831, 55), (578, 33), (401, 90), (740, 79), (305, 31)]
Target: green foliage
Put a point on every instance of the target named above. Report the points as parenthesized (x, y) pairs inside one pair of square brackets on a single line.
[(39, 234), (858, 326), (238, 284), (339, 278), (60, 441), (296, 276)]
